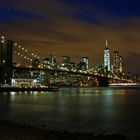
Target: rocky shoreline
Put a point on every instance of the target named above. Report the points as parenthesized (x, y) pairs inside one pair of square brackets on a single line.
[(15, 131)]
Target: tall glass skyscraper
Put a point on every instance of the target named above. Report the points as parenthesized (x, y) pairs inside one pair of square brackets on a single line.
[(107, 57), (86, 61)]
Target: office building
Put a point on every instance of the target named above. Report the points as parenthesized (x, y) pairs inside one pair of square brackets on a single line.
[(50, 62), (86, 61), (66, 62), (53, 62), (117, 62), (107, 58), (81, 66)]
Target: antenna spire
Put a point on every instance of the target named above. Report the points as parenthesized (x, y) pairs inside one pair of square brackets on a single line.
[(106, 42)]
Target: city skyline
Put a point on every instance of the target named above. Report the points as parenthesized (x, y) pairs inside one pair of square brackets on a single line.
[(21, 56), (74, 28)]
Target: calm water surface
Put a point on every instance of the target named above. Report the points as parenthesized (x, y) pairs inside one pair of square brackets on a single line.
[(85, 109)]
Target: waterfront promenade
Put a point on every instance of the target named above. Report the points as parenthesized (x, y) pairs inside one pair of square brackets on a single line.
[(10, 89)]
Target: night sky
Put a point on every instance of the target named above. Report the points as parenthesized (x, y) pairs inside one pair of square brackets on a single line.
[(75, 28)]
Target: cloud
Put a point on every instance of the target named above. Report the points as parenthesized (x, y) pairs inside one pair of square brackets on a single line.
[(73, 30)]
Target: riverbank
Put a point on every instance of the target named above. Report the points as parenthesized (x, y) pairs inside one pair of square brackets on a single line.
[(15, 131)]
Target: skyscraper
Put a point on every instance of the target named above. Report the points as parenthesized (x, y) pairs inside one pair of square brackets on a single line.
[(52, 60), (66, 59), (66, 62), (107, 57), (120, 64), (117, 62), (86, 61)]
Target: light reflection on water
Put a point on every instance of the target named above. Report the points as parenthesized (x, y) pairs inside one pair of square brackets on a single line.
[(109, 109)]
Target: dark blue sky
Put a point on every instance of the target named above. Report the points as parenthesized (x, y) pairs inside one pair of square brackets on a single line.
[(9, 10), (74, 27), (111, 7)]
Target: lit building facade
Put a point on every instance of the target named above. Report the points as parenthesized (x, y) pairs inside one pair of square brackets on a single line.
[(107, 59), (81, 66), (46, 62), (50, 62), (107, 62), (120, 64), (86, 61), (23, 82), (117, 62), (66, 62), (66, 59)]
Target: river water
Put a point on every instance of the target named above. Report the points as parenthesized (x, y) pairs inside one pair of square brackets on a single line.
[(106, 110)]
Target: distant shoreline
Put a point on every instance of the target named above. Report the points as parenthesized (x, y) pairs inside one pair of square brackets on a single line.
[(10, 89), (54, 89)]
